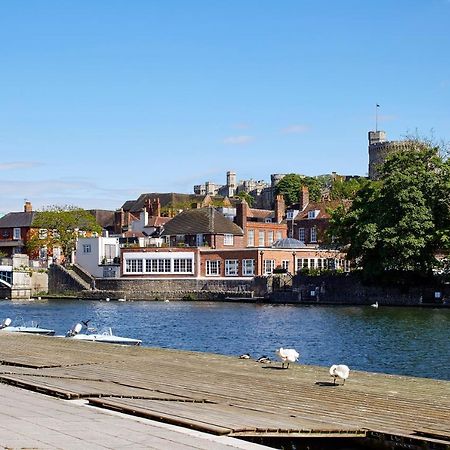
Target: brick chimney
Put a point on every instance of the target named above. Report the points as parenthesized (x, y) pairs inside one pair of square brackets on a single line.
[(156, 210), (303, 198), (241, 214), (27, 207), (148, 206), (280, 208)]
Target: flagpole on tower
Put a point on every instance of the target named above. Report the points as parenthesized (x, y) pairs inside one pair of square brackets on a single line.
[(376, 116)]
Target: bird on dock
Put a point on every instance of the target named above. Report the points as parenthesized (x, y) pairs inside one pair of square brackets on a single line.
[(287, 355), (244, 356), (339, 371), (264, 360), (374, 305)]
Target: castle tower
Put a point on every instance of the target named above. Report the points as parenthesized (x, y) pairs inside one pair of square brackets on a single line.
[(231, 183)]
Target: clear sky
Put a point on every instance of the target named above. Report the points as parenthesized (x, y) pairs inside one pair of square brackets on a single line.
[(102, 100)]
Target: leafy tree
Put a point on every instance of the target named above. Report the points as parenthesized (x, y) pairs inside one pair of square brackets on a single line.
[(247, 197), (399, 223), (342, 189), (63, 225), (290, 185)]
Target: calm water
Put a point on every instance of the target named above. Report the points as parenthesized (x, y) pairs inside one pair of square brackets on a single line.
[(408, 341)]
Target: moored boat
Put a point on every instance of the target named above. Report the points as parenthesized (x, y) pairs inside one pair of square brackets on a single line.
[(104, 337), (33, 328)]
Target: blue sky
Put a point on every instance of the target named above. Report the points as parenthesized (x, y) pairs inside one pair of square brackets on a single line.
[(103, 100)]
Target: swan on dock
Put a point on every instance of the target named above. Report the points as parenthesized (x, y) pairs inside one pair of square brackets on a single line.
[(339, 371), (287, 355)]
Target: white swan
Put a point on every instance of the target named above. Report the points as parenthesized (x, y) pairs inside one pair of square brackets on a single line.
[(374, 305), (339, 371), (287, 355)]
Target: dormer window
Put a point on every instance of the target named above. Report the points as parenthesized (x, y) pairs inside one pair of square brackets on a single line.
[(313, 214)]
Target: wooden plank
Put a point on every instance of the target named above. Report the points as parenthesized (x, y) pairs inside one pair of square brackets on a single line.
[(244, 393)]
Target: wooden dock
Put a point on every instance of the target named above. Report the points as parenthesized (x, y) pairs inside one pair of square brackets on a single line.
[(229, 396)]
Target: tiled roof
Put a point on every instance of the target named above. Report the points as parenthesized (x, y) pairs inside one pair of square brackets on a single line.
[(260, 213), (103, 217), (158, 221), (201, 221), (17, 219), (323, 207)]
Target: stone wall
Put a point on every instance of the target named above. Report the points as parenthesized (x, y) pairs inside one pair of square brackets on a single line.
[(60, 281), (348, 289), (39, 282), (141, 289)]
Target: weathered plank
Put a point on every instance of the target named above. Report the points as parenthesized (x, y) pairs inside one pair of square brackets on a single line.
[(239, 396)]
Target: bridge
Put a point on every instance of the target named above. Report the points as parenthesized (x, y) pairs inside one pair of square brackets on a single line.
[(15, 278)]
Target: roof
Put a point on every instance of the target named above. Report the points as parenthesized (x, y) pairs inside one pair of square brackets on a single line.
[(288, 243), (155, 221), (323, 207), (103, 217), (173, 200), (260, 213), (17, 219), (201, 221)]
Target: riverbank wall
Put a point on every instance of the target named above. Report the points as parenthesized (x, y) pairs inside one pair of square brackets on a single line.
[(349, 289)]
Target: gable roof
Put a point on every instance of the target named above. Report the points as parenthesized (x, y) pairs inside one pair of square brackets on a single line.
[(17, 219), (201, 221), (260, 213)]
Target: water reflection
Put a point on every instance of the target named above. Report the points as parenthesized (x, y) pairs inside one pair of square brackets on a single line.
[(410, 341)]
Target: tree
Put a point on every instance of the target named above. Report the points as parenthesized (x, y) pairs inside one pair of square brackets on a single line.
[(342, 189), (247, 197), (290, 185), (62, 224), (399, 223)]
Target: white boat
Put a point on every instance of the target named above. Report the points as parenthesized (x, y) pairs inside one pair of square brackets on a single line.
[(106, 337), (33, 328)]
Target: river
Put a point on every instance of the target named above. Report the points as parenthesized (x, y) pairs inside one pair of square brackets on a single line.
[(403, 341)]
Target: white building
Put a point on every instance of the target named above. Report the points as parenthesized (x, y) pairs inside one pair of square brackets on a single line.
[(99, 256)]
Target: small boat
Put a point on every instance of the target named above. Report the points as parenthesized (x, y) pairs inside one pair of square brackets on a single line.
[(33, 328), (106, 337)]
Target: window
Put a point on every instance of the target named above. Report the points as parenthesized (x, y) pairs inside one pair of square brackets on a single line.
[(261, 239), (313, 234), (133, 266), (182, 265), (279, 235), (16, 233), (305, 263), (313, 214), (269, 237), (269, 265), (231, 267), (43, 252), (212, 267), (301, 234), (248, 267), (312, 263), (87, 248), (228, 239), (320, 263), (285, 264), (42, 233), (251, 238), (346, 265), (157, 265)]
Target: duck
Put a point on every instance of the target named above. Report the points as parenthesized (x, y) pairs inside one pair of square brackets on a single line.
[(287, 355)]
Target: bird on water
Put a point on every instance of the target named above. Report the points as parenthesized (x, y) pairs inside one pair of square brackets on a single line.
[(287, 355), (339, 371)]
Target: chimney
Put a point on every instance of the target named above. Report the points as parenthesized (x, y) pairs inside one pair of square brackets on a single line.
[(157, 209), (280, 208), (148, 206), (241, 214), (304, 198), (27, 207)]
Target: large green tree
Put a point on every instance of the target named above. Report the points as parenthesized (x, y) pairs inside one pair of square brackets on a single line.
[(399, 223), (63, 224)]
